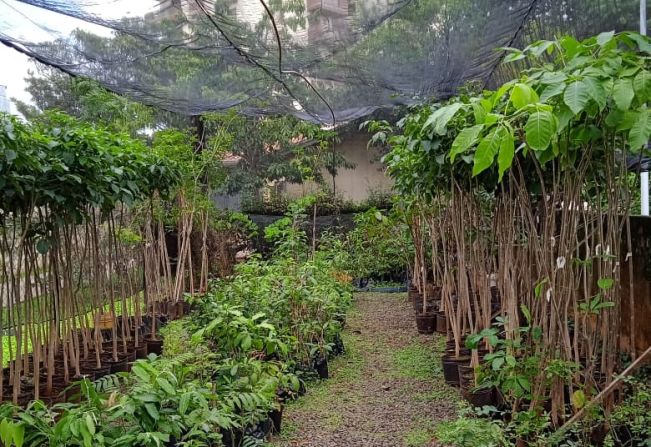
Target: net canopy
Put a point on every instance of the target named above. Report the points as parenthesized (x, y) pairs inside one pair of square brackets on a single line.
[(316, 59)]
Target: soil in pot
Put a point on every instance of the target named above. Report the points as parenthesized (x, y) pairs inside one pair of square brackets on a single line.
[(425, 323)]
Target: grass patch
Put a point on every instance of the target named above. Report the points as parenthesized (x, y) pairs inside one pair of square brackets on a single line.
[(418, 437), (416, 361)]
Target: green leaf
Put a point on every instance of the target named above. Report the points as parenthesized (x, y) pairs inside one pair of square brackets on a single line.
[(466, 138), (184, 403), (623, 93), (596, 91), (576, 96), (540, 129), (642, 86), (139, 371), (578, 399), (553, 78), (441, 117), (605, 283), (639, 133), (522, 95), (152, 411), (165, 385), (479, 111), (90, 424), (506, 154), (552, 91), (605, 37), (497, 363), (487, 150)]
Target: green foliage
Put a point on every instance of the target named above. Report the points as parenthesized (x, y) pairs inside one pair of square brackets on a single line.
[(591, 97), (379, 244), (470, 432), (68, 166), (272, 149), (632, 415)]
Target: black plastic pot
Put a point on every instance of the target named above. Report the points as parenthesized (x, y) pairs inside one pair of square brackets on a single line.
[(441, 323), (276, 418), (451, 369), (481, 397), (232, 438), (430, 309), (321, 367), (425, 323), (119, 366), (337, 346), (154, 346), (259, 430)]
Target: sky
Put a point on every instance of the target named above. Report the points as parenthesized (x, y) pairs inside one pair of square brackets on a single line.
[(21, 21)]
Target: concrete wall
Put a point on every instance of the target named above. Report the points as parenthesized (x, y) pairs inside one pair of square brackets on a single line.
[(352, 184)]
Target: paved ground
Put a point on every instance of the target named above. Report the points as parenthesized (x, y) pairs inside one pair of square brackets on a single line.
[(387, 391)]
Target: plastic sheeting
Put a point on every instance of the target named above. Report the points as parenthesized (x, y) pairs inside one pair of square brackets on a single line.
[(312, 58)]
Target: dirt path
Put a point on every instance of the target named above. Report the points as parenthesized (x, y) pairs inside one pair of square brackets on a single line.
[(387, 391)]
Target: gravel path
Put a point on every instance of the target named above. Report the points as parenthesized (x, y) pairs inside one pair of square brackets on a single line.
[(387, 391)]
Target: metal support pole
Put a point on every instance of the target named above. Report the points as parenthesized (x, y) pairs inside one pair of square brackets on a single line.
[(644, 176)]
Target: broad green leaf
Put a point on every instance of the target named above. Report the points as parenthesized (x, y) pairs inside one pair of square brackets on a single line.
[(90, 424), (514, 55), (522, 95), (487, 150), (506, 154), (465, 139), (551, 91), (596, 91), (152, 411), (605, 37), (441, 117), (165, 385), (539, 130), (639, 133), (576, 96), (623, 93), (497, 363), (497, 96), (642, 86), (553, 77), (479, 111), (605, 283), (184, 403), (643, 42)]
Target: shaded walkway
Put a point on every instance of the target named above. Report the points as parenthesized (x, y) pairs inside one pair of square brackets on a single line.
[(387, 391)]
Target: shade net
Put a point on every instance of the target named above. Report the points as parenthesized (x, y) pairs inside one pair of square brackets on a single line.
[(311, 58)]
